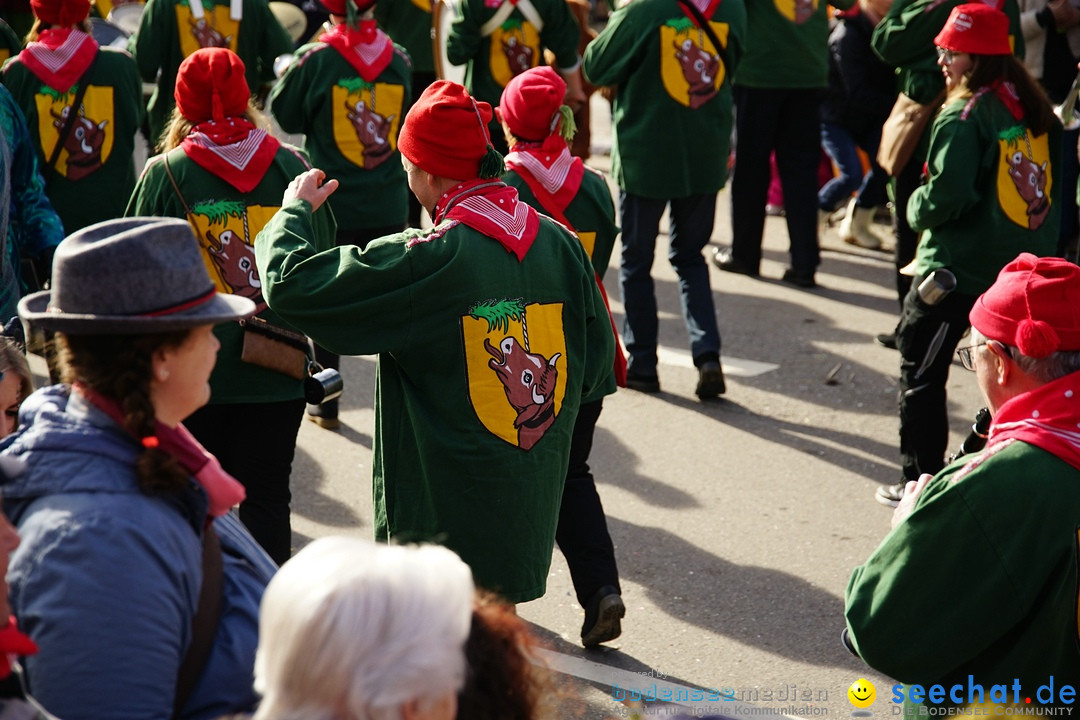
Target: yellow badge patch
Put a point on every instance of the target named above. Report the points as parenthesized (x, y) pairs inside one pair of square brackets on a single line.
[(516, 364), (214, 29), (226, 230), (689, 64), (90, 140), (1024, 177), (366, 120), (515, 47), (797, 11)]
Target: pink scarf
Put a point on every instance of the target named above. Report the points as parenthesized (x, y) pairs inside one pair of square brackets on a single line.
[(59, 57), (491, 207), (367, 48), (550, 171), (1047, 417), (223, 490), (232, 149)]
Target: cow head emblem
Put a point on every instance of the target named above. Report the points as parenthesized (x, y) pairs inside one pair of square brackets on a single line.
[(372, 130), (519, 56), (699, 68), (235, 260), (529, 382), (207, 36), (83, 143), (1030, 181)]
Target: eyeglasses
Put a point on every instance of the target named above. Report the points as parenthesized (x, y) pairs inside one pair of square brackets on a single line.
[(947, 56), (967, 358)]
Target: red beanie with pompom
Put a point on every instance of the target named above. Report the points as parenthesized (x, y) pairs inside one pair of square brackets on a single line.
[(1032, 306)]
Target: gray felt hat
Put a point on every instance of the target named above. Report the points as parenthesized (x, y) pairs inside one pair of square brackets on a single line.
[(130, 276)]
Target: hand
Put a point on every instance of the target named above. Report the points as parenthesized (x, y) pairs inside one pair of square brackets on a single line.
[(1065, 15), (309, 186), (575, 95), (911, 494)]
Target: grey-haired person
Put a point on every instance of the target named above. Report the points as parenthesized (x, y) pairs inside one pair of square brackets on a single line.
[(123, 515)]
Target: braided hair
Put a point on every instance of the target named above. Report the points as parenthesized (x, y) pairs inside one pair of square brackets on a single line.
[(119, 368)]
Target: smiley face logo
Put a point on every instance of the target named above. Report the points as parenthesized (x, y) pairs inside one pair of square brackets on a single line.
[(862, 693)]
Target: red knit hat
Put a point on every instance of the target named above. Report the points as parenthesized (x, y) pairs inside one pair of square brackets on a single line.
[(977, 29), (446, 134), (210, 85), (1032, 306), (530, 103), (62, 13)]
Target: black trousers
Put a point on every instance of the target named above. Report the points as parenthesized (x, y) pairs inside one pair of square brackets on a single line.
[(582, 533), (255, 443), (785, 120), (927, 339)]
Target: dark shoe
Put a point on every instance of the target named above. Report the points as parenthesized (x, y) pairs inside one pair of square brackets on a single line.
[(643, 383), (710, 382), (325, 415), (890, 495), (603, 617), (724, 259), (793, 278), (886, 340)]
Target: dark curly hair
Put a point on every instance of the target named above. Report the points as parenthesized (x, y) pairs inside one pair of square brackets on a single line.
[(119, 367)]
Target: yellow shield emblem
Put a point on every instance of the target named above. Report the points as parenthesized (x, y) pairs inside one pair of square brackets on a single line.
[(366, 120), (797, 11), (689, 64), (1024, 179), (226, 230), (516, 364), (90, 140), (214, 29), (515, 47)]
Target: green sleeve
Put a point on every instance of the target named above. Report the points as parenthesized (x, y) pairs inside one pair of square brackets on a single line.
[(329, 294), (936, 582), (615, 53), (463, 43), (953, 163), (275, 41), (600, 340), (288, 99), (560, 35), (149, 45), (905, 35)]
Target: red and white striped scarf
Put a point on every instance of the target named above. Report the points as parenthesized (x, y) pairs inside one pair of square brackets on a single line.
[(233, 149), (59, 57)]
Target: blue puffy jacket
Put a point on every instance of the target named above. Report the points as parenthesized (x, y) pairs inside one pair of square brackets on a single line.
[(106, 579)]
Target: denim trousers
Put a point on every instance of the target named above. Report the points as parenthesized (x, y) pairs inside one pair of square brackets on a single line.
[(691, 226), (842, 146)]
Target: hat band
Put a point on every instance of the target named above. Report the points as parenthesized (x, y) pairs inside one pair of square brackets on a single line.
[(181, 306)]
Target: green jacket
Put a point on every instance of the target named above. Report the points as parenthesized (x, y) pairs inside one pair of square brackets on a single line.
[(220, 213), (408, 22), (787, 44), (672, 135), (514, 47), (316, 97), (980, 580), (167, 35), (85, 189), (993, 191), (442, 308)]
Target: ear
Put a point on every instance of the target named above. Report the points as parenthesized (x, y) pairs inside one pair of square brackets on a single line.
[(1003, 365)]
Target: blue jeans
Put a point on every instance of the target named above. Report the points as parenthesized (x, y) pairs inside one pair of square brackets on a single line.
[(691, 226), (842, 147)]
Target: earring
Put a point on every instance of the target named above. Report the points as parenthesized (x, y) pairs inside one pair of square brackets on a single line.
[(162, 375)]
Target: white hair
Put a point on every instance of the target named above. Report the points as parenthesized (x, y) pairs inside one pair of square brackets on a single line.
[(352, 629)]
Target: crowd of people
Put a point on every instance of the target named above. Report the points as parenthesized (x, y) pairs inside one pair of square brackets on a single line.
[(148, 557)]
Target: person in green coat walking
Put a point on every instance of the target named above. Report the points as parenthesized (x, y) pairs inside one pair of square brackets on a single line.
[(490, 329)]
